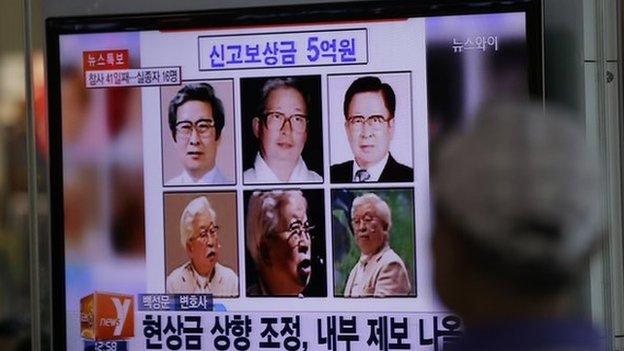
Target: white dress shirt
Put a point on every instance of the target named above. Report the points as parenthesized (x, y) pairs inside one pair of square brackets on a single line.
[(214, 176), (374, 171), (262, 173), (186, 280)]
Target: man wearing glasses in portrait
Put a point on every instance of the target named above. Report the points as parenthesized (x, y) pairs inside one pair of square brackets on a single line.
[(196, 119), (279, 241), (379, 272), (281, 127), (199, 236), (369, 106)]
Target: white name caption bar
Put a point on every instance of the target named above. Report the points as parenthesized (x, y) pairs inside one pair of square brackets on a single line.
[(297, 331), (289, 49), (134, 77)]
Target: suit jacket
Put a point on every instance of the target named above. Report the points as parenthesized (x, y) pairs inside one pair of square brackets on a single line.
[(392, 172), (382, 274)]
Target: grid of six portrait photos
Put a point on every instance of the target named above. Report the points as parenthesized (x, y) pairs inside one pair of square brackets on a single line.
[(326, 198)]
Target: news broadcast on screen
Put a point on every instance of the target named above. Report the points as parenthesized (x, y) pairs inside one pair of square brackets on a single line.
[(258, 179)]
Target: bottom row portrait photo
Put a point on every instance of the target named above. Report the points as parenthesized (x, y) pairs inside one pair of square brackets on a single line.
[(201, 250), (284, 239), (373, 241)]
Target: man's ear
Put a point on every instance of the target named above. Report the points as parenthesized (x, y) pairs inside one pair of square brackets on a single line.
[(189, 249), (256, 126), (386, 233), (447, 245), (346, 123), (386, 226), (391, 124)]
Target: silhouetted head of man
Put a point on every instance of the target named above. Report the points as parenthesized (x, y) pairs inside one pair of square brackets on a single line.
[(517, 214)]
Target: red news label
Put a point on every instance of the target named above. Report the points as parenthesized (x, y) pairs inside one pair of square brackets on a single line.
[(105, 60)]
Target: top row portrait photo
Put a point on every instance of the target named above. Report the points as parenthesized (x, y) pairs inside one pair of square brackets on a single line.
[(369, 129)]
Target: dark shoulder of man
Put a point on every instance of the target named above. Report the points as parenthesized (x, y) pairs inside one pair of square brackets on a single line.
[(254, 290), (341, 172), (396, 172)]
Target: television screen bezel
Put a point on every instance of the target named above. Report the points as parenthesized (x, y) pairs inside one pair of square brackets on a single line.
[(236, 18)]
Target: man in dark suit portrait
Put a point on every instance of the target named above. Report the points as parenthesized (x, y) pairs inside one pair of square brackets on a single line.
[(369, 107)]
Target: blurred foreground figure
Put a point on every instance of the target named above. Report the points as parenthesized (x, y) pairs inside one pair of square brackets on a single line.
[(517, 218)]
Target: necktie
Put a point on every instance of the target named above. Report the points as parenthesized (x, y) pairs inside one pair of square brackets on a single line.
[(362, 175)]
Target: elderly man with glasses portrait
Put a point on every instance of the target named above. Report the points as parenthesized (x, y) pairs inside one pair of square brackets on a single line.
[(369, 107), (196, 119), (281, 127), (279, 242), (199, 236), (379, 272)]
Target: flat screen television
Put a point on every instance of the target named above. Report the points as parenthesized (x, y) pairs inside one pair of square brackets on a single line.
[(258, 178)]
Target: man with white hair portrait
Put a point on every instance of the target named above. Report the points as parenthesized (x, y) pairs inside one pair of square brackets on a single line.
[(199, 236), (280, 245), (379, 272)]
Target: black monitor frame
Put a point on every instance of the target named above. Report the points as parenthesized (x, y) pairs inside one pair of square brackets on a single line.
[(230, 18)]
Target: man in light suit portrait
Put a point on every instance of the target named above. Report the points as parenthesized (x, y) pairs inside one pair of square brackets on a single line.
[(380, 272), (369, 106), (202, 273)]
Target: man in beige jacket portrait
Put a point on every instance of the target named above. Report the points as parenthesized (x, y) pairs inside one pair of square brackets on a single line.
[(380, 272)]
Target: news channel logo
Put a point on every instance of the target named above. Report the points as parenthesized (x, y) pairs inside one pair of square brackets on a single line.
[(106, 318)]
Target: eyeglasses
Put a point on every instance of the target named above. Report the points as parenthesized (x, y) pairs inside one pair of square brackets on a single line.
[(366, 220), (374, 121), (209, 232), (276, 120), (297, 231), (184, 129)]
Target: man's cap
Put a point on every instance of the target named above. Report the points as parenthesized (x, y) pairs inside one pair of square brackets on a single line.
[(523, 184)]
